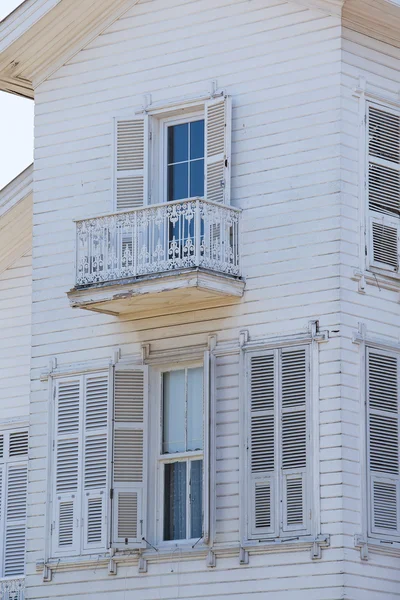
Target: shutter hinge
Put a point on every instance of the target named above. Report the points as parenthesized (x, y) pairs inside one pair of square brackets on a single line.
[(366, 250), (54, 393), (150, 135), (111, 493)]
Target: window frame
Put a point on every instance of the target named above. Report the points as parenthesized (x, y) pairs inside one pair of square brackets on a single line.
[(311, 493), (161, 144), (160, 459)]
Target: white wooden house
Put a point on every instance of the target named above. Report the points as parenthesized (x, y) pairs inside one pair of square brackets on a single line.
[(200, 324)]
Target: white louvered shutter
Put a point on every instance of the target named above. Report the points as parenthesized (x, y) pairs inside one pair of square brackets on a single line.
[(95, 460), (67, 472), (383, 443), (384, 186), (294, 393), (129, 456), (218, 124), (131, 163), (262, 438), (15, 519)]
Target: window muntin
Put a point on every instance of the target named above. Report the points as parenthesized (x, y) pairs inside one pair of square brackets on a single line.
[(185, 160), (181, 456)]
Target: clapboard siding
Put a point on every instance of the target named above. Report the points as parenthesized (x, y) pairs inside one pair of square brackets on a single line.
[(378, 308), (280, 62), (15, 339)]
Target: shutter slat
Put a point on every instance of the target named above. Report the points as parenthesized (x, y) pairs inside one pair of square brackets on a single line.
[(385, 248), (384, 134)]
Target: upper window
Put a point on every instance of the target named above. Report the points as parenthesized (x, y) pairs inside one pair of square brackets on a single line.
[(13, 496), (278, 449), (181, 458), (383, 185), (383, 431), (185, 160), (173, 154)]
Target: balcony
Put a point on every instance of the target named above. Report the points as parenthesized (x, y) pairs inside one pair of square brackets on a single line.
[(165, 257), (12, 589)]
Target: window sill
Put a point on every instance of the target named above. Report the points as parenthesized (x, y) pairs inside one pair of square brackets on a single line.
[(185, 552), (377, 278), (377, 546)]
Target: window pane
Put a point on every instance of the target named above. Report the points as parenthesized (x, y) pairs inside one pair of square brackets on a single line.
[(196, 499), (178, 182), (197, 139), (175, 501), (174, 412), (178, 143), (195, 409), (197, 178)]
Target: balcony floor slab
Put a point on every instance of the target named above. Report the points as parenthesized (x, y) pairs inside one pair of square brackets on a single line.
[(161, 293)]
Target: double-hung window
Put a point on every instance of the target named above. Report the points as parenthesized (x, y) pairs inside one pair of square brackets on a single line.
[(383, 453), (277, 443), (181, 458), (383, 187), (13, 500)]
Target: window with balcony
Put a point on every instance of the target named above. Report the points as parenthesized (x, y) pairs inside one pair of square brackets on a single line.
[(172, 209)]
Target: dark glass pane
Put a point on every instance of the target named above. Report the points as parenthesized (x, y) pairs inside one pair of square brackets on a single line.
[(197, 178), (178, 182), (196, 499), (178, 143), (197, 139), (175, 501)]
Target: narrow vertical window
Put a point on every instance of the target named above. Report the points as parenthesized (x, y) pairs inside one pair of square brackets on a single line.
[(181, 456)]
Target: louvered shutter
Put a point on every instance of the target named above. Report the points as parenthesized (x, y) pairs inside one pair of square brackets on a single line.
[(129, 456), (131, 163), (262, 434), (95, 461), (15, 519), (384, 186), (218, 117), (67, 473), (383, 442), (293, 424)]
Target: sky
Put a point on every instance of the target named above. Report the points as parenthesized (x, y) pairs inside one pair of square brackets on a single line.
[(16, 124)]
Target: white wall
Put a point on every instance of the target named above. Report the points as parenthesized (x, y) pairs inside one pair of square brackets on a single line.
[(378, 308), (281, 64), (15, 339)]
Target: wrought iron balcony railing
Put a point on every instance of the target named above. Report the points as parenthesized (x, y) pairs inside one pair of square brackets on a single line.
[(12, 589), (157, 239)]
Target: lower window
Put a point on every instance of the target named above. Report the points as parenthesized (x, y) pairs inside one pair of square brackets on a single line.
[(181, 458)]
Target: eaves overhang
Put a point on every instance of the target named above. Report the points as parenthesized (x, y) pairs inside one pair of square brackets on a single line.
[(39, 36)]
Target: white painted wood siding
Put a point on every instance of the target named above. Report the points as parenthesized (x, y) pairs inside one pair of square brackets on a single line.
[(378, 308), (280, 62), (15, 339)]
